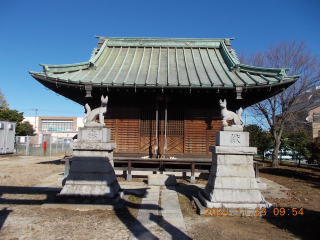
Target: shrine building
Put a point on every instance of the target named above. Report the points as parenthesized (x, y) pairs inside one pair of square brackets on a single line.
[(164, 91)]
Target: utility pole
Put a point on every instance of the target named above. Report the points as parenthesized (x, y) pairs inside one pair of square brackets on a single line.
[(35, 118)]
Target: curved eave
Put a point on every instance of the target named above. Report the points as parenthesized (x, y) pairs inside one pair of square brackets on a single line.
[(42, 77), (77, 92)]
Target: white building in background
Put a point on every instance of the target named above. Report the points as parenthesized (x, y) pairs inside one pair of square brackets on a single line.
[(60, 127)]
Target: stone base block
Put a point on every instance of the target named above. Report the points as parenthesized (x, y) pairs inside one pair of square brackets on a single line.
[(232, 195), (232, 170), (83, 178), (262, 186), (232, 128), (91, 166), (71, 199), (62, 181), (227, 159), (90, 177), (233, 150), (93, 146), (162, 179), (232, 182), (233, 205), (193, 179), (90, 190), (129, 177)]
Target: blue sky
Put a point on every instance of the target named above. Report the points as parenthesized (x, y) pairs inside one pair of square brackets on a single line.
[(63, 31)]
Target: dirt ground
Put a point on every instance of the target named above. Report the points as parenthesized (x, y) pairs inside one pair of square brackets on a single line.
[(21, 216)]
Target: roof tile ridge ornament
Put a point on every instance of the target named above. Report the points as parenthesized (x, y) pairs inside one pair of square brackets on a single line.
[(66, 67), (227, 57), (94, 59), (270, 72), (234, 56)]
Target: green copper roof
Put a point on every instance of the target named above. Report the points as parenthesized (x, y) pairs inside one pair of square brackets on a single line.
[(164, 62)]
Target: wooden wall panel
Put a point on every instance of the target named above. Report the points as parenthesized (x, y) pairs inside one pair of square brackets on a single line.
[(110, 122), (195, 136), (128, 130), (211, 134)]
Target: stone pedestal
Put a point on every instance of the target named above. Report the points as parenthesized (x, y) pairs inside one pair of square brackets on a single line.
[(92, 178), (232, 182)]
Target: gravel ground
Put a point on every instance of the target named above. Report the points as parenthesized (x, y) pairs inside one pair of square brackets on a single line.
[(21, 216)]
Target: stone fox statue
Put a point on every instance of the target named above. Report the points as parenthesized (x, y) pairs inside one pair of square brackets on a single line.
[(92, 115), (228, 115)]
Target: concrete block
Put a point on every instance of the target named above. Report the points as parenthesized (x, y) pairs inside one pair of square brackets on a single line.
[(87, 153), (229, 159), (89, 190), (151, 196), (231, 182), (91, 159), (152, 189), (193, 179), (129, 177), (204, 203), (93, 146), (238, 139), (92, 167), (162, 179), (262, 186), (233, 150), (232, 170), (254, 184), (234, 195), (250, 160), (62, 181)]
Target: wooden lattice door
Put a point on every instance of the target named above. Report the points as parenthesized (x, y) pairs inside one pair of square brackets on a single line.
[(147, 130), (171, 133), (174, 131)]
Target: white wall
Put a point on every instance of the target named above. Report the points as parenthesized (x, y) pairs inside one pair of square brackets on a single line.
[(79, 122), (31, 121)]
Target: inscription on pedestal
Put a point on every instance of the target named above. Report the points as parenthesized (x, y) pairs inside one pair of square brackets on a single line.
[(94, 134), (237, 139)]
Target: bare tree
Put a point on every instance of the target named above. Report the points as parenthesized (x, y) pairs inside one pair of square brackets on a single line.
[(274, 113)]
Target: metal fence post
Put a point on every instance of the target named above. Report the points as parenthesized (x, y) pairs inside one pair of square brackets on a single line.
[(27, 146), (50, 145)]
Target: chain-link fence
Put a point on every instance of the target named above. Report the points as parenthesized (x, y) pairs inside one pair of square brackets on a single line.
[(42, 146)]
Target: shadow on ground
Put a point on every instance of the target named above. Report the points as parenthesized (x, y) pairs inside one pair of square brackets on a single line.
[(4, 213), (304, 226), (136, 228), (293, 173), (55, 162)]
